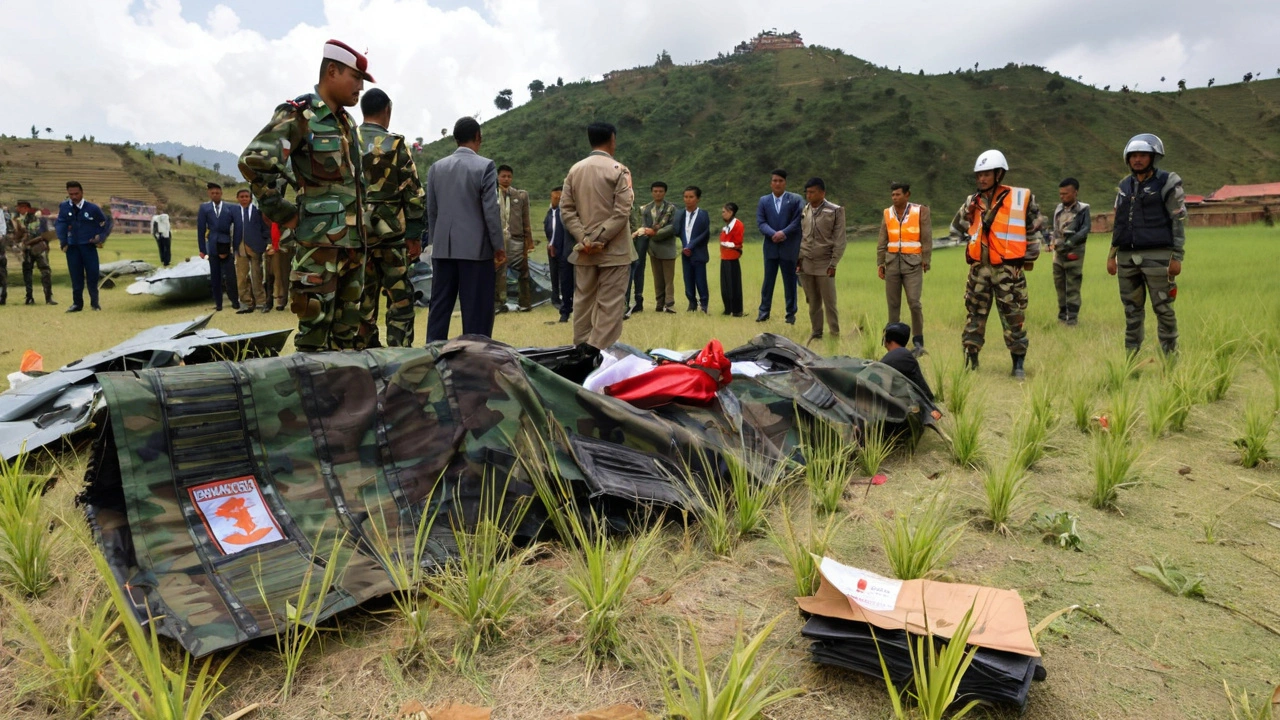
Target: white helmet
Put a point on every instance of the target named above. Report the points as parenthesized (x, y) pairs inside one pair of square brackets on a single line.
[(991, 160), (1147, 143)]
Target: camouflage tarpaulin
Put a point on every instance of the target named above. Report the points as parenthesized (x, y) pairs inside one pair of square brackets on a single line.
[(215, 488)]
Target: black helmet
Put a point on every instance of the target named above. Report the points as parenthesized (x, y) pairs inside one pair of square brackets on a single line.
[(897, 332)]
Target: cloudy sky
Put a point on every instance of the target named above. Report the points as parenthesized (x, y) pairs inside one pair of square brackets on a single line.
[(208, 72)]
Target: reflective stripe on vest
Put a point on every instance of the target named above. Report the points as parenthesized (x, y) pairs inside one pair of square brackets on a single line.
[(904, 237), (1007, 239)]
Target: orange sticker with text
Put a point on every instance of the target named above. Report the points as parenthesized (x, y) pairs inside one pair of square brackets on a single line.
[(235, 514)]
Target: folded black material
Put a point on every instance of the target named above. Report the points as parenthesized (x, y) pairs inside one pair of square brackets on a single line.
[(993, 676)]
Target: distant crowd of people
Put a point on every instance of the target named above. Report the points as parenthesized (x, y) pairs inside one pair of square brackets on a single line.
[(343, 244)]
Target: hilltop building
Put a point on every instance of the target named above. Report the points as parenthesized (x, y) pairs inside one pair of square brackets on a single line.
[(769, 40), (131, 216)]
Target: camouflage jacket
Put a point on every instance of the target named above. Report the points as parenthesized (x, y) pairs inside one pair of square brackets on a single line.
[(1070, 229), (316, 150), (1035, 226), (394, 196), (27, 228)]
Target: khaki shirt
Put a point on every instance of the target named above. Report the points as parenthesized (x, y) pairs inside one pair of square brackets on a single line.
[(595, 207), (822, 239)]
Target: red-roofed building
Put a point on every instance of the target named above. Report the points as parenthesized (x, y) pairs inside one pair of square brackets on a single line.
[(1195, 199), (1266, 192)]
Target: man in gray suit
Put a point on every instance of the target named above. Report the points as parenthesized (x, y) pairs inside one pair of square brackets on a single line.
[(464, 227)]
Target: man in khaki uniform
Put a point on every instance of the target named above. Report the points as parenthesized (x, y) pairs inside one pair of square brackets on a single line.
[(903, 257), (517, 234), (822, 243), (596, 207)]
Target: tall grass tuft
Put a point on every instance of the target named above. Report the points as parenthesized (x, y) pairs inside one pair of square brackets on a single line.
[(1271, 367), (1114, 458), (408, 574), (1223, 364), (482, 585), (803, 551), (828, 463), (1123, 414), (936, 672), (68, 677), (966, 435), (601, 569), (147, 688), (939, 371), (717, 517), (1118, 371), (876, 448), (1259, 418), (1082, 403), (1004, 488), (1242, 708), (25, 539), (755, 484), (300, 621), (1168, 407), (960, 389), (744, 688), (917, 544), (1029, 440)]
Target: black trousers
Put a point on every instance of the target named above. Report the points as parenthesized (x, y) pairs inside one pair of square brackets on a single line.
[(553, 266), (468, 282), (566, 286), (731, 286), (789, 284), (166, 252), (695, 283), (82, 263), (222, 271)]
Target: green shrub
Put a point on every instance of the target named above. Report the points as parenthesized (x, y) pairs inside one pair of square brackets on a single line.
[(966, 435), (1114, 458), (1004, 488), (803, 551), (1259, 417), (1168, 576), (828, 459), (918, 543)]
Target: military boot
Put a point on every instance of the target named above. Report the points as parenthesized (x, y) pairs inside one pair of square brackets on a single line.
[(971, 360), (1073, 314), (30, 300), (47, 284), (1018, 371), (4, 295), (917, 346)]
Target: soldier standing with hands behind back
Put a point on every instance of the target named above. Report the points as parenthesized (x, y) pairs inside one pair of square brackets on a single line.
[(1070, 230), (313, 141), (394, 216)]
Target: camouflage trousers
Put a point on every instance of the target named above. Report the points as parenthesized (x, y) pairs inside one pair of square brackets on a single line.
[(386, 274), (1067, 276), (325, 286), (1006, 288), (1140, 276), (32, 260)]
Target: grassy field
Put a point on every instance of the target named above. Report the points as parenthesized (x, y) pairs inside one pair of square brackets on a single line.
[(1138, 651)]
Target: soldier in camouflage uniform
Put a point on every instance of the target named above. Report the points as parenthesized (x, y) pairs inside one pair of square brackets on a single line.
[(1002, 228), (29, 231), (312, 143), (396, 204), (1070, 231), (1147, 242)]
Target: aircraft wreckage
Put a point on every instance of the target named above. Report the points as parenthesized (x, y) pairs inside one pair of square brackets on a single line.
[(214, 489)]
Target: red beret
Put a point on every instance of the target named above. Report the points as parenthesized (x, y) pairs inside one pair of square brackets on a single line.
[(343, 53)]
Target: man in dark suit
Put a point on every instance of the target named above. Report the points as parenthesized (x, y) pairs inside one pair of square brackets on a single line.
[(82, 228), (693, 228), (778, 217), (558, 251), (464, 227), (252, 238), (217, 227)]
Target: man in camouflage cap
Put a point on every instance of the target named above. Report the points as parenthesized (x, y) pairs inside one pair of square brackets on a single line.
[(312, 142), (30, 232), (1002, 228), (1147, 242), (396, 204)]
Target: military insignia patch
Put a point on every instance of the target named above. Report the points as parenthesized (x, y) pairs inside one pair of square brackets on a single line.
[(235, 514)]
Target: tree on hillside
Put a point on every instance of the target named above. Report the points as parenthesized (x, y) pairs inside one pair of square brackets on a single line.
[(559, 82), (1161, 78), (444, 131), (536, 88), (1210, 83), (503, 101), (217, 167), (35, 134), (179, 159), (68, 138), (149, 153), (1182, 85), (1055, 85), (664, 60), (1248, 77)]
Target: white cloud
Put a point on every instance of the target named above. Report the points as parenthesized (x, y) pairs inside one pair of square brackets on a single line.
[(138, 70)]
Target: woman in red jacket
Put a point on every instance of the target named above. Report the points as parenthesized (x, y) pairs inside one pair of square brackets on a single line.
[(730, 269)]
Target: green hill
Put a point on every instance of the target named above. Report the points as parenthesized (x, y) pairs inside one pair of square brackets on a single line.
[(37, 170), (725, 124)]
